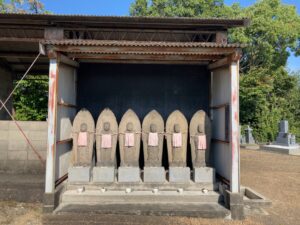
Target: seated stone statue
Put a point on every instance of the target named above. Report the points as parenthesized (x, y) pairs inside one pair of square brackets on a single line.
[(176, 134), (153, 136), (200, 139), (129, 139), (106, 139), (83, 138)]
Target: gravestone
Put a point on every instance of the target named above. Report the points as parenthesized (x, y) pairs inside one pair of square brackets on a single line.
[(285, 141), (284, 137), (129, 145), (200, 137), (83, 135), (106, 143), (248, 135), (176, 135), (153, 138)]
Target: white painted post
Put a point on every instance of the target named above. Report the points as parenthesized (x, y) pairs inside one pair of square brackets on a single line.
[(52, 114), (234, 127)]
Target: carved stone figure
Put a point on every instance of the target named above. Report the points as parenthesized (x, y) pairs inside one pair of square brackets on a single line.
[(106, 139), (83, 135), (200, 135), (176, 134), (130, 139), (153, 137)]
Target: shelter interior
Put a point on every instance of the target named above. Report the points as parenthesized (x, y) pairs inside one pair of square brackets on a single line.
[(141, 63)]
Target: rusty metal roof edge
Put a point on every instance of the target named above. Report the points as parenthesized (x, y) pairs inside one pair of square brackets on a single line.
[(140, 19), (138, 43)]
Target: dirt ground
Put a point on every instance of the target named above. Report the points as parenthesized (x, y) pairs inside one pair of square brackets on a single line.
[(276, 176)]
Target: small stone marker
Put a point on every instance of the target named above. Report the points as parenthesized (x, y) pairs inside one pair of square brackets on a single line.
[(83, 134), (129, 146), (200, 127), (176, 134), (153, 138), (248, 135)]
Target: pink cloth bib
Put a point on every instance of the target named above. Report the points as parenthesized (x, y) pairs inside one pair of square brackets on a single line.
[(201, 142), (129, 139), (82, 139), (177, 140), (153, 139), (106, 141)]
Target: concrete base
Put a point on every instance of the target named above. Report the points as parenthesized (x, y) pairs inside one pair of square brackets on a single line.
[(129, 174), (250, 146), (80, 174), (234, 202), (103, 174), (290, 150), (154, 175), (179, 174), (204, 175)]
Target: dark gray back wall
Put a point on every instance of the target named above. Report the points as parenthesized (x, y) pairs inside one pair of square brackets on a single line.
[(143, 87)]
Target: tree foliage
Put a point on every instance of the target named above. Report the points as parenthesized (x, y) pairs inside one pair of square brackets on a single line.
[(21, 6), (268, 92), (30, 98)]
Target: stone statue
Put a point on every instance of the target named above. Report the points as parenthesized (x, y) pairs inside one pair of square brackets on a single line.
[(130, 139), (83, 135), (106, 139), (153, 138), (176, 134), (200, 135)]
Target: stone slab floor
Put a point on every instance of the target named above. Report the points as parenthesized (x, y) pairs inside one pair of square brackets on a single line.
[(274, 175)]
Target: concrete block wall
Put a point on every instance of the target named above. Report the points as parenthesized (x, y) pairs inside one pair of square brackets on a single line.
[(6, 85), (16, 156)]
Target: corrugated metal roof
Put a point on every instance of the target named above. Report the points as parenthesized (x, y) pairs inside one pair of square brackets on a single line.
[(139, 44), (130, 20)]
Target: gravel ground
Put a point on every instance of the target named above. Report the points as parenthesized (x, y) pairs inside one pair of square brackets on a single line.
[(276, 176)]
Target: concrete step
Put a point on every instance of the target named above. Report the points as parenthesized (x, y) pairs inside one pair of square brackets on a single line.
[(86, 214), (135, 197), (191, 186)]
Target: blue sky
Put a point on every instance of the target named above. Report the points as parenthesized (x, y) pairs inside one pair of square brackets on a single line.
[(121, 7)]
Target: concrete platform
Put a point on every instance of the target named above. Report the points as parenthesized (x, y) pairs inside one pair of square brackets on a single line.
[(129, 175), (80, 174), (91, 214), (204, 175), (282, 149), (179, 174), (250, 146), (136, 197), (103, 174), (154, 175)]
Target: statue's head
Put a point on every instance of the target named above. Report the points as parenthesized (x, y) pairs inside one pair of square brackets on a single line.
[(106, 126), (129, 127), (83, 127), (177, 128), (153, 128), (200, 128)]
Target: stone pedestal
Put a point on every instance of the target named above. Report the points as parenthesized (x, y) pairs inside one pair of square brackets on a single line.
[(179, 174), (104, 174), (129, 175), (80, 174), (204, 175), (154, 175)]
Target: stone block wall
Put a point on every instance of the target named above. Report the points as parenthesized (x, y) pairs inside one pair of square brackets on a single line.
[(16, 156)]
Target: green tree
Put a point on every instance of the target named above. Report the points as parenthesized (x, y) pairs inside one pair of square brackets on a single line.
[(21, 6), (268, 93), (30, 98)]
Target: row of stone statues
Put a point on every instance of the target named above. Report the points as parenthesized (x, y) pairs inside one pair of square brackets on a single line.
[(129, 134)]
